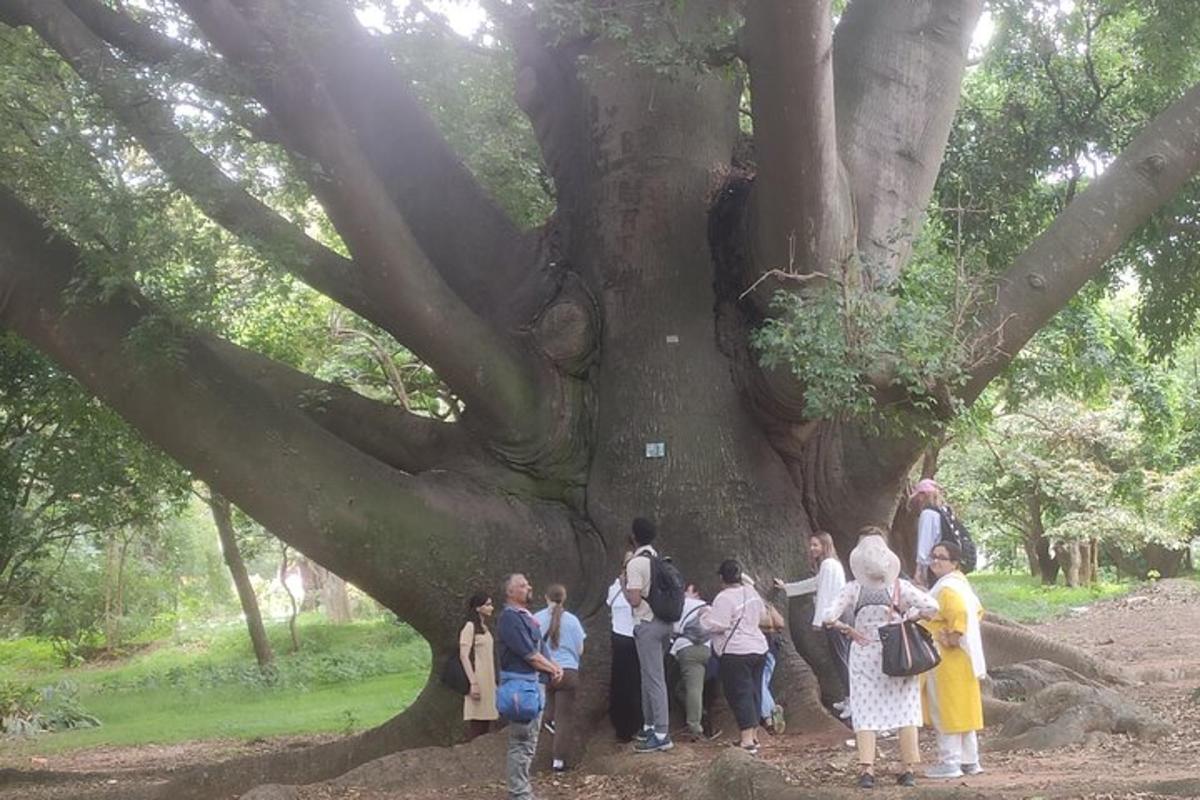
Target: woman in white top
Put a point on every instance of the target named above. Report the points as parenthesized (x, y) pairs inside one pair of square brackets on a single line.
[(734, 620), (625, 679), (829, 579)]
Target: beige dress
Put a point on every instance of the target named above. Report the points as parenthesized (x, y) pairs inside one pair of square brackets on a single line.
[(485, 674)]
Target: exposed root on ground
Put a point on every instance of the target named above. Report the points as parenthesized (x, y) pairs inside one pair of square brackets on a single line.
[(1068, 713)]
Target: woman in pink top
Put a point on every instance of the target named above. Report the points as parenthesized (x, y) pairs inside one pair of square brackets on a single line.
[(734, 620)]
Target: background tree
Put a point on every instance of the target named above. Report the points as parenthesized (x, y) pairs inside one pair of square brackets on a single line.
[(573, 346)]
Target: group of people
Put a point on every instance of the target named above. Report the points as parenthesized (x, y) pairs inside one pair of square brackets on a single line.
[(734, 641)]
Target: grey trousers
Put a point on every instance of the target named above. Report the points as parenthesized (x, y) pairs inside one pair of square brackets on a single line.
[(522, 744), (693, 663), (653, 639)]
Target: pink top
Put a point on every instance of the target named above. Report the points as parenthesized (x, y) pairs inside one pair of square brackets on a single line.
[(734, 619)]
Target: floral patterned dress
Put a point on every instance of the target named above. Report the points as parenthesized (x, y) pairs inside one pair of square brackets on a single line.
[(877, 701)]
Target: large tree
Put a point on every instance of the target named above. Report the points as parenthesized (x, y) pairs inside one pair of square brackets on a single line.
[(600, 363)]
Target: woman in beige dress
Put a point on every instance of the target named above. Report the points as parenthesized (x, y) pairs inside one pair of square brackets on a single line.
[(475, 652)]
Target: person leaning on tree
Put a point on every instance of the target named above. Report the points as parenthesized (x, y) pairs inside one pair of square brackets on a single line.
[(953, 700), (565, 636), (653, 638), (475, 645), (625, 679)]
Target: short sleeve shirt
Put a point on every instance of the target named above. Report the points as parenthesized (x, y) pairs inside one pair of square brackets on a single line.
[(570, 638), (518, 636), (637, 576)]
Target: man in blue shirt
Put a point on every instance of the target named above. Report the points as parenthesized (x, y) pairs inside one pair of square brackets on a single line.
[(519, 638)]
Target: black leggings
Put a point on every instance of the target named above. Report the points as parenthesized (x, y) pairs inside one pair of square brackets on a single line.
[(625, 688), (839, 648), (741, 678)]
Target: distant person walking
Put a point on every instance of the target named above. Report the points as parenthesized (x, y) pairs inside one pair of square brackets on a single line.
[(564, 635), (734, 621), (522, 661), (878, 701), (625, 679), (475, 651), (653, 638), (953, 701)]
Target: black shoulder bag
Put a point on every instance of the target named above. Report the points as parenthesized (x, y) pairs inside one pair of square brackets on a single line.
[(908, 648)]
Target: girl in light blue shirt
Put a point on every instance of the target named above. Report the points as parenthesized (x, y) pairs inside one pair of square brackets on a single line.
[(563, 634)]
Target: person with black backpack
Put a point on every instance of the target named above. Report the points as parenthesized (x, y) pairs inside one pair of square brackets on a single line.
[(654, 590), (938, 523)]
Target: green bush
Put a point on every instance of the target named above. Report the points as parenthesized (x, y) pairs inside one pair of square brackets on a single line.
[(25, 710)]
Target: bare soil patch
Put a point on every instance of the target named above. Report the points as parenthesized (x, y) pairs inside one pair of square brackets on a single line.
[(1155, 631)]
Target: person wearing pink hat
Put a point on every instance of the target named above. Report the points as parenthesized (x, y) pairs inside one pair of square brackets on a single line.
[(926, 496)]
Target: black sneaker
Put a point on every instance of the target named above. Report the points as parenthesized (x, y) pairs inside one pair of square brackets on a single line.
[(866, 781), (641, 736), (907, 779)]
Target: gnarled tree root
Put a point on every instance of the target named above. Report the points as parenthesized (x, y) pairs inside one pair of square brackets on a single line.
[(1008, 643), (1067, 713), (434, 717)]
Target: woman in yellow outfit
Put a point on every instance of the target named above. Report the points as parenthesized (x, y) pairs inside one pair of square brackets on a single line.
[(952, 700)]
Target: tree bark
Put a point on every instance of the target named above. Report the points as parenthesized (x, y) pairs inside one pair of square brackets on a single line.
[(223, 519)]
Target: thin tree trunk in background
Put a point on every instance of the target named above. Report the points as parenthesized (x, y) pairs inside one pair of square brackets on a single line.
[(283, 571), (335, 597), (223, 517)]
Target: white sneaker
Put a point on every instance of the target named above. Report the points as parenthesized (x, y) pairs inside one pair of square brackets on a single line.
[(844, 713), (972, 769), (944, 771)]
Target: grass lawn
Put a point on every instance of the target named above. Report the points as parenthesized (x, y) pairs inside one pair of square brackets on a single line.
[(1025, 599), (206, 686)]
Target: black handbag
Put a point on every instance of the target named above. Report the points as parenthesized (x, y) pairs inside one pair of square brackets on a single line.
[(908, 648), (453, 675)]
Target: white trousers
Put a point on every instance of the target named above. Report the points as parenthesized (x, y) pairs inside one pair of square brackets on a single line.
[(958, 748)]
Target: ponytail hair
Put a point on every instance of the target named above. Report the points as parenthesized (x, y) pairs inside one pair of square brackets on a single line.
[(556, 594)]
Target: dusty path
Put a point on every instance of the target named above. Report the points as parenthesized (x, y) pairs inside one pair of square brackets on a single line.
[(1155, 630)]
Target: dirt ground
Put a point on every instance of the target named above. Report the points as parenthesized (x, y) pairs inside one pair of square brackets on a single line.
[(1155, 630)]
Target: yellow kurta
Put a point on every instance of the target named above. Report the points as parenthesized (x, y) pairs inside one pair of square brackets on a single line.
[(956, 689)]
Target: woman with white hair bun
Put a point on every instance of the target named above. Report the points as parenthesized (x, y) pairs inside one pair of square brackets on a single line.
[(878, 701)]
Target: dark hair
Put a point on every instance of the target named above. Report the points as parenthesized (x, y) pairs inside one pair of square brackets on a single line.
[(557, 594), (473, 616), (730, 571), (643, 531), (874, 530), (953, 551)]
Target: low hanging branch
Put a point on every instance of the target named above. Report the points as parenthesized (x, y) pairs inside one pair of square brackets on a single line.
[(1155, 166), (329, 500)]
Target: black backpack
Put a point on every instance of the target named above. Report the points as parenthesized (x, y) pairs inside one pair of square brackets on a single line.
[(666, 589), (954, 531)]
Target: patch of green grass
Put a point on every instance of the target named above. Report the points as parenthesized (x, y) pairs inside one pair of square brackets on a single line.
[(206, 685), (27, 655), (1024, 598)]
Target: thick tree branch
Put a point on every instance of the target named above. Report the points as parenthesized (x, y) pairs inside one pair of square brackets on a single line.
[(898, 70), (498, 380), (483, 261), (421, 535), (193, 172), (1155, 166), (803, 216)]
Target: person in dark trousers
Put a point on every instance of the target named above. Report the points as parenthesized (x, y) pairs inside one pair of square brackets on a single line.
[(625, 678), (735, 621), (521, 655)]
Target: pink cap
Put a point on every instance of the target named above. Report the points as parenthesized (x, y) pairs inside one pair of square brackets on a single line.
[(924, 486)]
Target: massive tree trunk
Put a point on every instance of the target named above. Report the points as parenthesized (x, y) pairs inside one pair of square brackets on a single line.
[(223, 518), (603, 359)]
